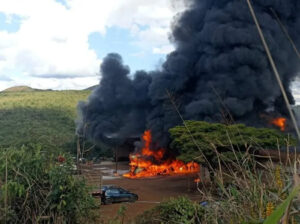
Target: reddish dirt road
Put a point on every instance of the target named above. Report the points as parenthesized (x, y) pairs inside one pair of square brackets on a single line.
[(151, 191)]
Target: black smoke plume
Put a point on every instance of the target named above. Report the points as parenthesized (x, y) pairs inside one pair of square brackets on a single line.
[(219, 63)]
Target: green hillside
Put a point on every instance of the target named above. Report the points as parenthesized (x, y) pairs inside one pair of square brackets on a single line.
[(39, 117), (20, 89)]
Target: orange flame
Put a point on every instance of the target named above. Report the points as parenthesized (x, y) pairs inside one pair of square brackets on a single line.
[(197, 180), (151, 163), (280, 122)]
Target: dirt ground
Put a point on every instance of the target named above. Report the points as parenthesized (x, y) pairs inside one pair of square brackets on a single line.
[(151, 191)]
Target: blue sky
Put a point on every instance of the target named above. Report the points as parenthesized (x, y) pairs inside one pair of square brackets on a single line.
[(60, 44), (10, 23), (118, 40)]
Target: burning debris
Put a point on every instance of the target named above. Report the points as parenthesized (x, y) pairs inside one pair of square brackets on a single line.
[(280, 122), (149, 163), (197, 180)]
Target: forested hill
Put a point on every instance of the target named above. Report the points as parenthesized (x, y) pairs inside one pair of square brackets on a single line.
[(39, 117)]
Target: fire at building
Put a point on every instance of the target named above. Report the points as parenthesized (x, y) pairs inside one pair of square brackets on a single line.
[(148, 162)]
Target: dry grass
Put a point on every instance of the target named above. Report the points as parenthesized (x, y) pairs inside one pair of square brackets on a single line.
[(248, 191)]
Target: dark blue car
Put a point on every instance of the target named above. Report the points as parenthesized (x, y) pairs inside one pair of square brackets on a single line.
[(112, 194)]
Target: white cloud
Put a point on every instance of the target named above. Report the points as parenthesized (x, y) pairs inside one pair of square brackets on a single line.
[(52, 83), (163, 49), (149, 21), (296, 90), (53, 39)]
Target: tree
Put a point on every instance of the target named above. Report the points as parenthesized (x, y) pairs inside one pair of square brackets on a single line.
[(197, 140)]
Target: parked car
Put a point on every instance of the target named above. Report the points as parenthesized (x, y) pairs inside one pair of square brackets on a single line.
[(112, 194), (105, 187)]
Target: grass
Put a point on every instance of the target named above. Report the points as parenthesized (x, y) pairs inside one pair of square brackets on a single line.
[(39, 117), (249, 192)]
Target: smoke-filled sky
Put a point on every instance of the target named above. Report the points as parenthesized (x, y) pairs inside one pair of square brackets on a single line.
[(60, 44), (218, 66)]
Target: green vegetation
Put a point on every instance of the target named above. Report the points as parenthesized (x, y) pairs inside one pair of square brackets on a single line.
[(199, 140), (283, 209), (36, 186), (20, 89), (177, 210), (39, 117)]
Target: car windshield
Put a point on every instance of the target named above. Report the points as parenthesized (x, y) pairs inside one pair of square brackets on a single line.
[(113, 191), (105, 187)]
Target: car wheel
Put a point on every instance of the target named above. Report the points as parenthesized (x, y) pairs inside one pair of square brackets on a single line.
[(133, 199), (108, 202)]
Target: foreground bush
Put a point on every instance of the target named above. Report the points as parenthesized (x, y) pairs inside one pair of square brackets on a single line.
[(179, 210), (35, 186)]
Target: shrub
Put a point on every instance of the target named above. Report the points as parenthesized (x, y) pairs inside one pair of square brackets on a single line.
[(34, 184), (176, 210)]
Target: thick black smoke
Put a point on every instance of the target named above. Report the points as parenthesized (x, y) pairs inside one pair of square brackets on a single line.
[(219, 63)]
